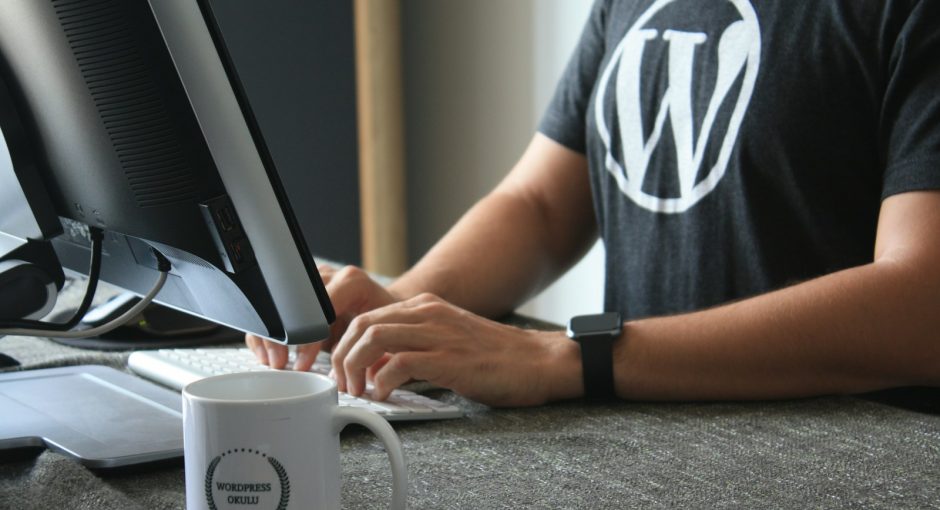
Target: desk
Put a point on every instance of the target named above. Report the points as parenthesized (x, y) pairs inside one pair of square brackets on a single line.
[(834, 452)]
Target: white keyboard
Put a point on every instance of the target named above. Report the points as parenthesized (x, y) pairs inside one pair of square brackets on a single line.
[(178, 367)]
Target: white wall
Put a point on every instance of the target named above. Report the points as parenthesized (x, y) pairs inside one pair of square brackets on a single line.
[(558, 25), (478, 76)]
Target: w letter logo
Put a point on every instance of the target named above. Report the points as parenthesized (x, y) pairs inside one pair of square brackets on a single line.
[(738, 51)]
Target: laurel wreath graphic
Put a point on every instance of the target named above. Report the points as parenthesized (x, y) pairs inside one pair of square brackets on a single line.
[(210, 472), (278, 468), (285, 482)]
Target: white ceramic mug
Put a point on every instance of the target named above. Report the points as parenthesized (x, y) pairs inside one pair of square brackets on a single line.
[(270, 440)]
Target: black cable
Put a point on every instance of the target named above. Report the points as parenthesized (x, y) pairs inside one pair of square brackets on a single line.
[(163, 263), (94, 273), (124, 318)]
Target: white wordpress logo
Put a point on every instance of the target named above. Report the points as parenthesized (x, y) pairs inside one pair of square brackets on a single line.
[(738, 51)]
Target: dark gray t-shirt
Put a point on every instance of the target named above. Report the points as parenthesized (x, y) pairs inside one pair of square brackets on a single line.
[(738, 146)]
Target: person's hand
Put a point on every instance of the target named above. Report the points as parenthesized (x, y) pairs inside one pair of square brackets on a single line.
[(427, 338), (351, 292)]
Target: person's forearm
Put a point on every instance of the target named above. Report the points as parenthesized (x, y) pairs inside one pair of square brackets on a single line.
[(857, 330), (536, 223), (490, 261)]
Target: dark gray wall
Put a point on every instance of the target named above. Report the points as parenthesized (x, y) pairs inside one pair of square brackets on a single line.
[(296, 62)]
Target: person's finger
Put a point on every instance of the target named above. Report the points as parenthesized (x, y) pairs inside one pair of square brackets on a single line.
[(351, 288), (256, 344), (336, 332), (393, 313), (377, 340), (306, 355), (277, 354), (399, 369), (326, 273), (251, 341), (371, 371)]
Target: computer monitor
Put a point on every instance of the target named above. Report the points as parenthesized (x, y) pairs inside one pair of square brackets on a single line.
[(137, 122)]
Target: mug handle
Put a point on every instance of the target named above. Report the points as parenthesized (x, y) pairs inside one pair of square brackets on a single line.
[(343, 416)]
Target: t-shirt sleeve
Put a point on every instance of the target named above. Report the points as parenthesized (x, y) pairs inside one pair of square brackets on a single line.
[(564, 120), (910, 120)]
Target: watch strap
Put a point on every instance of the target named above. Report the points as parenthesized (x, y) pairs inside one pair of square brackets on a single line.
[(597, 366), (596, 334)]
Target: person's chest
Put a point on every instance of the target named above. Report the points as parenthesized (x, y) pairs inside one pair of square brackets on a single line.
[(701, 97)]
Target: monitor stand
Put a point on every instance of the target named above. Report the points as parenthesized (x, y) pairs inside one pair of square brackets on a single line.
[(158, 327)]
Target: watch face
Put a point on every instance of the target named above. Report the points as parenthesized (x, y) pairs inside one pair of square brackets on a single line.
[(596, 324)]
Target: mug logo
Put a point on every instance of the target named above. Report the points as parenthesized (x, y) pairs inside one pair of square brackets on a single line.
[(738, 50), (246, 478)]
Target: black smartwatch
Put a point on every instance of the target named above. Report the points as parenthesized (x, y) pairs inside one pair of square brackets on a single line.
[(596, 335)]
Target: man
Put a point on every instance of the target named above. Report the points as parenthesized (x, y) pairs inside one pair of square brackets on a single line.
[(763, 174)]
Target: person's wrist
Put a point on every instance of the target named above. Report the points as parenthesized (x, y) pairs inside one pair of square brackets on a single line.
[(404, 288), (629, 359), (562, 367), (396, 295), (401, 290)]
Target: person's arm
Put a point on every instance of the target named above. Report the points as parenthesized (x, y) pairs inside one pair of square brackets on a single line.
[(512, 243), (870, 327), (531, 228), (865, 328)]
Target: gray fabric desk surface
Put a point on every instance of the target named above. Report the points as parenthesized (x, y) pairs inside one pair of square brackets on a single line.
[(838, 452)]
